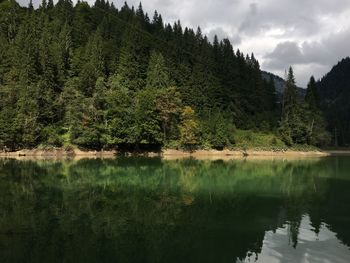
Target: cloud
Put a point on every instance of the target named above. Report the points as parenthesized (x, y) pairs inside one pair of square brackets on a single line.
[(222, 33), (285, 53), (309, 57)]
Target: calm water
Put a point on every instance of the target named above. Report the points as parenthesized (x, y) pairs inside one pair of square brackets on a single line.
[(152, 210)]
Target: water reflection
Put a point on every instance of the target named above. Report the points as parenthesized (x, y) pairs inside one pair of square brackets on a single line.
[(313, 246), (152, 210)]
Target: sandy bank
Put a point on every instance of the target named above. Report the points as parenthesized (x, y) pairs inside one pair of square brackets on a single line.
[(169, 154), (202, 154), (58, 153)]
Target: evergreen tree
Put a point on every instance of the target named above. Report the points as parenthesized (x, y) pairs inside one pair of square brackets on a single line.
[(318, 134), (30, 6), (132, 67), (157, 74), (94, 66), (145, 131), (291, 127), (50, 5), (118, 114), (290, 96), (312, 97)]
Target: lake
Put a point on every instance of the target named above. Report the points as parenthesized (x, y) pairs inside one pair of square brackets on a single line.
[(154, 210)]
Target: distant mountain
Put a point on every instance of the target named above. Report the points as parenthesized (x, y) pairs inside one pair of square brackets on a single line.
[(280, 84), (334, 90)]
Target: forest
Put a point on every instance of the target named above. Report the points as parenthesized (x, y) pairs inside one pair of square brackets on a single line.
[(334, 92), (98, 77)]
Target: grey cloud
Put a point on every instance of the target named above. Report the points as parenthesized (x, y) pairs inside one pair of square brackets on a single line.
[(286, 53), (253, 9), (297, 17), (328, 49), (315, 57), (221, 34)]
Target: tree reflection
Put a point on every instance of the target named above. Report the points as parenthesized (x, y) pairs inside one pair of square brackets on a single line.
[(152, 210)]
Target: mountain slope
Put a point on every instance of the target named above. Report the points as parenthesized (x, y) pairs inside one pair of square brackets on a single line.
[(280, 84), (334, 90)]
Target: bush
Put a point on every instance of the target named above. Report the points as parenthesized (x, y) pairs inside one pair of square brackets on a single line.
[(258, 140), (51, 136)]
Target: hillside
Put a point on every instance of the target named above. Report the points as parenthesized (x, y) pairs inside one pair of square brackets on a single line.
[(280, 84), (98, 77), (334, 90)]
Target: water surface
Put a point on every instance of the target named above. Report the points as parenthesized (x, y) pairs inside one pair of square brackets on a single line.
[(153, 210)]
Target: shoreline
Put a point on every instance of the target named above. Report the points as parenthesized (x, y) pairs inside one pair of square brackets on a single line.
[(170, 154)]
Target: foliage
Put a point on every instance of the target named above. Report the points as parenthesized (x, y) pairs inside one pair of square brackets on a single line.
[(189, 128), (97, 77), (217, 132), (302, 121), (334, 94), (258, 140)]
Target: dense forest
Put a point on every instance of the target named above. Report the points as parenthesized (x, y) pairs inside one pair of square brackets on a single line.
[(98, 77), (334, 90)]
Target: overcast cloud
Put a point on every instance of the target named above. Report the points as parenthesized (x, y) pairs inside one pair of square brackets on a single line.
[(307, 34)]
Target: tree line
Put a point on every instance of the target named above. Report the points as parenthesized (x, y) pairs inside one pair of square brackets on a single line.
[(99, 77), (334, 89)]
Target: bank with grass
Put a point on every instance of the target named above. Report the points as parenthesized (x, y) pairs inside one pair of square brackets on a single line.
[(246, 144)]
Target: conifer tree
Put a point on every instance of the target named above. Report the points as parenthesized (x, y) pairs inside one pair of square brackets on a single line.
[(131, 69), (50, 5), (94, 66), (30, 6), (118, 113), (145, 130), (312, 97), (318, 134), (289, 110), (157, 73), (290, 96)]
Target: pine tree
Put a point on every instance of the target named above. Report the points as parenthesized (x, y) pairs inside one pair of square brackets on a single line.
[(50, 5), (290, 129), (157, 73), (30, 6), (157, 24), (63, 51), (131, 69), (43, 5), (290, 96), (202, 86), (47, 87), (118, 114), (94, 66), (145, 130), (318, 134), (312, 97)]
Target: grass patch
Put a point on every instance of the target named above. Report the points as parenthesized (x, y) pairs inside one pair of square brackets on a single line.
[(258, 141)]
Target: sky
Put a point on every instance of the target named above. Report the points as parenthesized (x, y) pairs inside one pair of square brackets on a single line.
[(310, 35)]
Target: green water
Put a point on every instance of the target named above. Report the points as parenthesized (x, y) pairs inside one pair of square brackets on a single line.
[(153, 210)]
